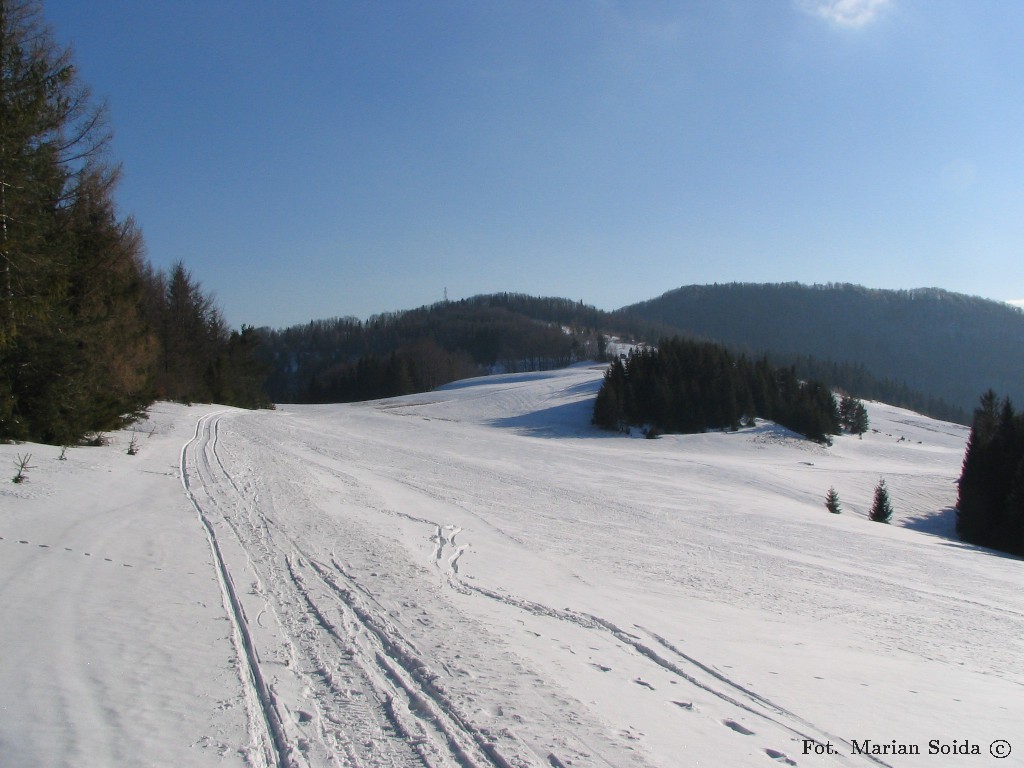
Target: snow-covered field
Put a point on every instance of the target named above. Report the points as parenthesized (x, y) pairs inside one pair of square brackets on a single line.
[(476, 578)]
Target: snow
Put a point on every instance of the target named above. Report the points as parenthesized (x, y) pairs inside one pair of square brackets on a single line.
[(476, 577)]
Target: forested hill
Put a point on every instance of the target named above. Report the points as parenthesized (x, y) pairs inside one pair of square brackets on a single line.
[(346, 359), (945, 344)]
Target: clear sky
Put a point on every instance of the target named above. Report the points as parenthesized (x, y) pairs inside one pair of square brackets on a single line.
[(319, 158)]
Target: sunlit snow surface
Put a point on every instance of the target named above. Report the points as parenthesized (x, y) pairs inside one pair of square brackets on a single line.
[(476, 577)]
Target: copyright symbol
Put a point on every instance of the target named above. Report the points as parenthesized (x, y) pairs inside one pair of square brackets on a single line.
[(1000, 748)]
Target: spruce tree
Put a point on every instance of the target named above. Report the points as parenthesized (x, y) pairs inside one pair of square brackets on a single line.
[(609, 411), (853, 415), (988, 503), (975, 500), (832, 501), (881, 509), (1012, 533)]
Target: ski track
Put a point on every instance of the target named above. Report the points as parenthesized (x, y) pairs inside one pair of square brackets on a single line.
[(334, 681), (364, 696), (268, 746)]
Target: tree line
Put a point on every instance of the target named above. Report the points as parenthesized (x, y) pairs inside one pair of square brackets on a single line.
[(687, 386), (990, 502), (90, 334)]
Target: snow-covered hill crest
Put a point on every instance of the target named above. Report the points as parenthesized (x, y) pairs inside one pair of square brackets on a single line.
[(476, 577)]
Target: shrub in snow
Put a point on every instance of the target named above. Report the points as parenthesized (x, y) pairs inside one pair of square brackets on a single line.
[(22, 464)]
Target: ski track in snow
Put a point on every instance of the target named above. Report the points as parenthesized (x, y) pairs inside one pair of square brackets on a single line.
[(269, 744), (374, 700)]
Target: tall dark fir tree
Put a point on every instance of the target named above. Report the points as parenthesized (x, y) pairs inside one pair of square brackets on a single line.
[(990, 503), (73, 354)]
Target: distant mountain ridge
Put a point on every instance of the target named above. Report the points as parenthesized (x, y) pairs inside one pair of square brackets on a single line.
[(938, 342)]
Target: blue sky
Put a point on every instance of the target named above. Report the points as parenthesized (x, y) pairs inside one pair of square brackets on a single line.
[(314, 159)]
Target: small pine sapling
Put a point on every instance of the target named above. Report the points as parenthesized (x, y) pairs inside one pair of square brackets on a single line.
[(881, 509), (22, 463), (133, 446), (832, 501)]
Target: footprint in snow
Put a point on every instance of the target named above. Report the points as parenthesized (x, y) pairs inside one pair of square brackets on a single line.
[(69, 549), (737, 727), (781, 757)]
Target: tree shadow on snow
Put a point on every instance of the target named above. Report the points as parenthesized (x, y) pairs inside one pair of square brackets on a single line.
[(981, 550), (567, 420), (941, 523)]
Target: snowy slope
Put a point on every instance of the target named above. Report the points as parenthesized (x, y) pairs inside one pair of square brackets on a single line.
[(476, 577)]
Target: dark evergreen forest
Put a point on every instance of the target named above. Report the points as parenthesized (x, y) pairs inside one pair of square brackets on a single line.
[(990, 505), (687, 386), (89, 333)]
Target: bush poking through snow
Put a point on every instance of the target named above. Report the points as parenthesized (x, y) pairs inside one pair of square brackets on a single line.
[(22, 463), (133, 446)]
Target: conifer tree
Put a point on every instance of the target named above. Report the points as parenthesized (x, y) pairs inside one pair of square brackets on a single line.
[(1012, 534), (990, 503), (832, 501), (72, 356), (976, 501), (853, 415), (881, 509), (609, 410)]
